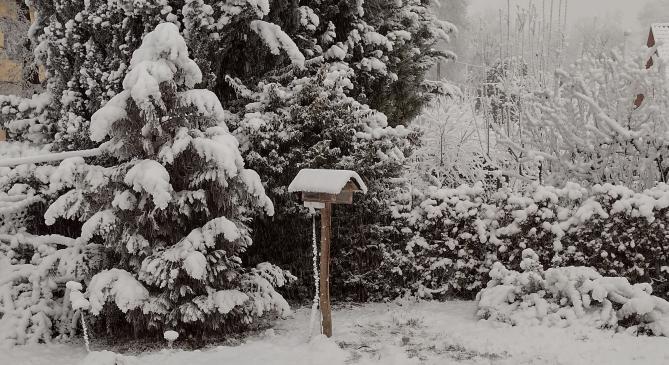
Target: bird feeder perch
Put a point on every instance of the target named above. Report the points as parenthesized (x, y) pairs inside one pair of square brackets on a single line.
[(320, 189)]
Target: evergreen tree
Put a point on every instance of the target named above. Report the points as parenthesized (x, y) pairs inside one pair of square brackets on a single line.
[(168, 261), (382, 47), (86, 47), (311, 123), (362, 59), (388, 44)]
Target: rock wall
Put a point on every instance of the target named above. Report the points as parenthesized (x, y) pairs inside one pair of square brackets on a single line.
[(16, 72), (18, 75)]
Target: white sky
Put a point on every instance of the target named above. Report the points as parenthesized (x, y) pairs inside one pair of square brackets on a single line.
[(628, 10)]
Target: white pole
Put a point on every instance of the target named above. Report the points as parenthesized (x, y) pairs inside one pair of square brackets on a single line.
[(314, 306), (83, 326)]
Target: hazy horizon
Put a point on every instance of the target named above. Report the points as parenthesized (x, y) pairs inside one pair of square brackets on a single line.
[(626, 10)]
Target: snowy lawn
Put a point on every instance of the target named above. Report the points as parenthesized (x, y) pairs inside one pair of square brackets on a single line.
[(412, 333)]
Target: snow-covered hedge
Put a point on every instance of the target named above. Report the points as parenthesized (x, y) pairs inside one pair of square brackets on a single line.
[(455, 235), (565, 296)]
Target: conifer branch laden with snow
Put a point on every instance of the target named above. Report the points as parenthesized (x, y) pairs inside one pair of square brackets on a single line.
[(31, 270)]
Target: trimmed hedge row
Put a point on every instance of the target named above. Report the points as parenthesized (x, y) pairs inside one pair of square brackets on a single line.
[(454, 236)]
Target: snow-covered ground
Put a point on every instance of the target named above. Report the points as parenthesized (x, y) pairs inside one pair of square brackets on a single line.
[(390, 334)]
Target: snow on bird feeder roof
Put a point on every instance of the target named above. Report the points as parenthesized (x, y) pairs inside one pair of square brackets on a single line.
[(325, 181)]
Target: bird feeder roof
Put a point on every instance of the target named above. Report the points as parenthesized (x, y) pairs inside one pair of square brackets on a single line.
[(325, 181)]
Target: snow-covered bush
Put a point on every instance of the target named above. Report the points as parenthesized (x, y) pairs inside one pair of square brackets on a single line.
[(564, 296), (172, 210), (606, 121), (453, 236), (455, 147)]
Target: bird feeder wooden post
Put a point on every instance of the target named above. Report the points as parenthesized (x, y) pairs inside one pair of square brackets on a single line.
[(320, 189)]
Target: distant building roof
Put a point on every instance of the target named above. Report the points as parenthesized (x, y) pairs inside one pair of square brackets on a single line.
[(659, 35)]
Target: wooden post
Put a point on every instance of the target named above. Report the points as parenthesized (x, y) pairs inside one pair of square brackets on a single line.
[(326, 231), (318, 195)]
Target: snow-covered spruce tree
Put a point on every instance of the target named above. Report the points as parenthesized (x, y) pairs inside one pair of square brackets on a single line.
[(173, 212), (311, 123), (389, 45)]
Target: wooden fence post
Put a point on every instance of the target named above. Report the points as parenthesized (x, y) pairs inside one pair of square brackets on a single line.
[(326, 232), (320, 188)]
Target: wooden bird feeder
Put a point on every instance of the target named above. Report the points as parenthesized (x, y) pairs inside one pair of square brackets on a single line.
[(320, 189)]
